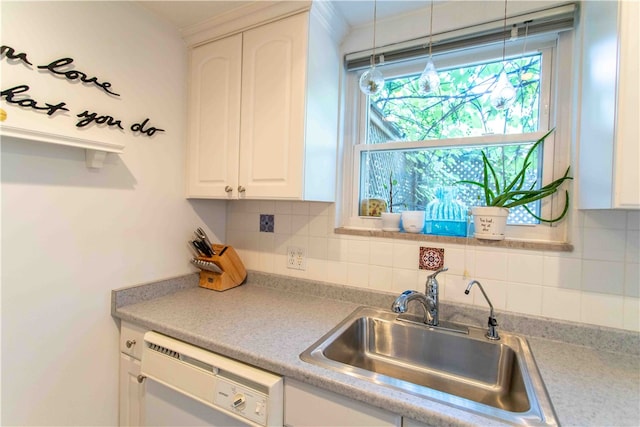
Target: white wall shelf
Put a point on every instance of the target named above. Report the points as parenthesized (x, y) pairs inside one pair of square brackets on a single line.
[(95, 152)]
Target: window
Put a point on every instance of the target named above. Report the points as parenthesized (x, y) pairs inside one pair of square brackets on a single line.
[(430, 142)]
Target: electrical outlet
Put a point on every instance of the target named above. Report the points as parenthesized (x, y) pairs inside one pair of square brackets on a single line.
[(296, 258)]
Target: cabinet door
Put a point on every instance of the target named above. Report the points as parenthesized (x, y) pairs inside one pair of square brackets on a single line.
[(627, 194), (273, 109), (131, 392), (214, 118), (306, 405)]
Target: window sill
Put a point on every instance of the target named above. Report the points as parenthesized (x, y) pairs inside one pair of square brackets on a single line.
[(507, 243)]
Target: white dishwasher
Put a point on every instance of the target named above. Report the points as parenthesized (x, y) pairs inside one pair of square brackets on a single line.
[(188, 386)]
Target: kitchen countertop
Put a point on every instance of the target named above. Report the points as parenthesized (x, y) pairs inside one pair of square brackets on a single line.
[(270, 320)]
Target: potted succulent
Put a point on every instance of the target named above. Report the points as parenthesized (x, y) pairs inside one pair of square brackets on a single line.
[(391, 219), (500, 195)]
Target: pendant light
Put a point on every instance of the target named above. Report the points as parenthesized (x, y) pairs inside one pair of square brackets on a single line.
[(525, 75), (372, 80), (429, 80), (503, 94)]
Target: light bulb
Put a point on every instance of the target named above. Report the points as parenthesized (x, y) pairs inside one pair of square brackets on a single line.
[(503, 94), (371, 82), (429, 80)]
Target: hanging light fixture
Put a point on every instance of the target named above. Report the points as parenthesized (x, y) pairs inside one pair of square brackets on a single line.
[(372, 80), (429, 80), (503, 94), (525, 75)]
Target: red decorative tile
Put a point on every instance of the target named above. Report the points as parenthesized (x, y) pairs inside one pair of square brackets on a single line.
[(431, 258)]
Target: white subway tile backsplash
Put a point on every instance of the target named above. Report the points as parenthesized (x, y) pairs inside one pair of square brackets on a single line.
[(319, 209), (337, 272), (300, 208), (250, 206), (337, 249), (318, 225), (610, 219), (604, 245), (561, 304), (523, 298), (358, 251), (491, 264), (633, 220), (453, 287), (459, 259), (300, 225), (603, 277), (381, 278), (562, 272), (381, 253), (280, 243), (283, 207), (404, 279), (317, 269), (597, 283), (601, 309), (525, 268), (282, 224), (632, 280), (318, 248), (267, 206), (267, 261), (631, 318), (406, 255), (632, 253), (266, 242), (358, 275)]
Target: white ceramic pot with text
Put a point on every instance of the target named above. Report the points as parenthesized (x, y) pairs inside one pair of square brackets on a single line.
[(490, 222)]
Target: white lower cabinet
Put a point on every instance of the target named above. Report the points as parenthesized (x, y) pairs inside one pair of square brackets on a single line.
[(305, 405), (131, 394)]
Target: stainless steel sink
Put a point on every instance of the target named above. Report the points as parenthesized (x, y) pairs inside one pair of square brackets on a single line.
[(460, 367)]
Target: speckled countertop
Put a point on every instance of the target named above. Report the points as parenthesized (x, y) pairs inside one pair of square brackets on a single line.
[(270, 320)]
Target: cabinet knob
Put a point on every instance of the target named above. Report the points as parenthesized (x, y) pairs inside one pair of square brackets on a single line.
[(140, 378), (241, 189), (130, 343), (228, 189)]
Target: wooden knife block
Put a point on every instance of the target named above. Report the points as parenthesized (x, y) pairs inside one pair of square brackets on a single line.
[(232, 272)]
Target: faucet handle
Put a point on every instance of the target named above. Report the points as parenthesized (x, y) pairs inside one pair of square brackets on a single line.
[(432, 276), (432, 283)]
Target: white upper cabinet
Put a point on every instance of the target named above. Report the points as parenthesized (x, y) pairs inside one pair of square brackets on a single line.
[(609, 130), (214, 117), (263, 113)]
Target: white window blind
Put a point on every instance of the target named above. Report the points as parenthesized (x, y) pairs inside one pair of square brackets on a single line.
[(551, 20)]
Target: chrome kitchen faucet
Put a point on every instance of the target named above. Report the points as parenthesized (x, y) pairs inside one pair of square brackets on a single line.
[(429, 300)]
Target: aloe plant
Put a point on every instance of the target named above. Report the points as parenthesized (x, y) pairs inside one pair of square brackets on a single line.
[(509, 195)]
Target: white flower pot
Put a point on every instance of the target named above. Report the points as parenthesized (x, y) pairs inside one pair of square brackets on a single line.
[(490, 222), (413, 221), (390, 221)]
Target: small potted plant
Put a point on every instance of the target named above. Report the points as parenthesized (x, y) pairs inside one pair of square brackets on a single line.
[(490, 220), (391, 219)]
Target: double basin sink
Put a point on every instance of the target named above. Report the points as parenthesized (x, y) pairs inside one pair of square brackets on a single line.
[(458, 366)]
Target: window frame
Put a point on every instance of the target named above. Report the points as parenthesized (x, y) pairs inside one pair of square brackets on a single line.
[(556, 147)]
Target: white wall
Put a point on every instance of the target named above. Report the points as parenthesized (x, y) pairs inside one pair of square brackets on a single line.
[(70, 234)]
